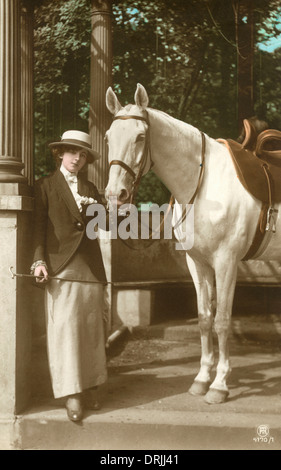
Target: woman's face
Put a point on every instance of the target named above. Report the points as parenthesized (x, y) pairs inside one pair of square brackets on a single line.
[(74, 159)]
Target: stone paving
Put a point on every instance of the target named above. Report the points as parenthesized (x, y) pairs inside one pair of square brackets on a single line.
[(146, 404)]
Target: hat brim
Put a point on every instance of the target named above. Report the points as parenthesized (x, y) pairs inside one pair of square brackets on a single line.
[(92, 154)]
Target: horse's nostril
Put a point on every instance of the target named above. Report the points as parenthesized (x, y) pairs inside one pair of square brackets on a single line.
[(123, 195)]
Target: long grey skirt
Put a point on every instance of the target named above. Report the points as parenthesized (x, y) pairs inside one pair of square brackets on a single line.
[(75, 330)]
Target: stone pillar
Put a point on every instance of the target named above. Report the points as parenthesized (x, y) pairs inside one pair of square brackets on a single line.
[(101, 79), (16, 205), (100, 118), (10, 92), (15, 321), (27, 86)]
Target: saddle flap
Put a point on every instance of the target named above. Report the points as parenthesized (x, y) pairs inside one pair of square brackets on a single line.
[(250, 171)]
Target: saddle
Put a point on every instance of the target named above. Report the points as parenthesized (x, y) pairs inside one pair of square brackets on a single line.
[(257, 161)]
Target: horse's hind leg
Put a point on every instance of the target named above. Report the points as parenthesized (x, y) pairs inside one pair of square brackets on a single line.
[(203, 278), (225, 286)]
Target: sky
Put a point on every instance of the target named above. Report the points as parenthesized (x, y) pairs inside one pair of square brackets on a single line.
[(271, 44), (274, 42)]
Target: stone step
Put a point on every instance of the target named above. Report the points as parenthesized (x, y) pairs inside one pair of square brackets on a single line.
[(139, 429), (146, 404)]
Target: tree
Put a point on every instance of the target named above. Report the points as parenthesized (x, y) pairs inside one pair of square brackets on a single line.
[(184, 53), (62, 71)]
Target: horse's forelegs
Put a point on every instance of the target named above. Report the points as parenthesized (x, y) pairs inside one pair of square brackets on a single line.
[(204, 285), (225, 281)]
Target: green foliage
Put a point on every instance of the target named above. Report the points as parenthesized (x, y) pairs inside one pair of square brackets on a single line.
[(62, 71), (268, 92), (183, 52)]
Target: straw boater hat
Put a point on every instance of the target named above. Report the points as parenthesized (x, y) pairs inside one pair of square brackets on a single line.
[(77, 139)]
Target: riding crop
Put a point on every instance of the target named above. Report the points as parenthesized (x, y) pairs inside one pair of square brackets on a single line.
[(13, 275)]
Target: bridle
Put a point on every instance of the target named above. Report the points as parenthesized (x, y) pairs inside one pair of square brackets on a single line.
[(144, 158), (143, 163)]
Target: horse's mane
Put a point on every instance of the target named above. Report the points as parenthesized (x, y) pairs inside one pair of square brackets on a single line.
[(179, 125)]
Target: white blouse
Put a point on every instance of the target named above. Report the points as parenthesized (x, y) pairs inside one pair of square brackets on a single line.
[(71, 179)]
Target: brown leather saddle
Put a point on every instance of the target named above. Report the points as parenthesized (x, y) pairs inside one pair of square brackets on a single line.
[(257, 162)]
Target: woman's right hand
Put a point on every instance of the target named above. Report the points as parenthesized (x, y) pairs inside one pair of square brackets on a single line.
[(39, 272)]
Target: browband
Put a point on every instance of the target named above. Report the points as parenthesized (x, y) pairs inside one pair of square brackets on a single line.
[(130, 116)]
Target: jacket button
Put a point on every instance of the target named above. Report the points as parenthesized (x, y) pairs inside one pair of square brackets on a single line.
[(79, 226)]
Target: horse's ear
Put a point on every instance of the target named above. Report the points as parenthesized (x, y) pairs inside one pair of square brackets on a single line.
[(112, 101), (141, 97)]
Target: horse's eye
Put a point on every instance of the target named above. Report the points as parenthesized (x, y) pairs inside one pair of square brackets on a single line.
[(140, 138)]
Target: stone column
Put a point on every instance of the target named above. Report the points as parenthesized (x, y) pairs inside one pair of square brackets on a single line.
[(10, 92), (15, 304), (16, 206), (100, 118), (101, 79), (27, 86)]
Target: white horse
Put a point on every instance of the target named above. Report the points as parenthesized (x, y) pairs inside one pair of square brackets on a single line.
[(225, 214)]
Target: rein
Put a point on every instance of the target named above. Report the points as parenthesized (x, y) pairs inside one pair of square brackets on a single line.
[(143, 162)]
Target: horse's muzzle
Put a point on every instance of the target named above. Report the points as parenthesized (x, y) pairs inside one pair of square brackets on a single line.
[(122, 197)]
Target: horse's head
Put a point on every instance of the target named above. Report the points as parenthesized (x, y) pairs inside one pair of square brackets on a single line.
[(128, 145)]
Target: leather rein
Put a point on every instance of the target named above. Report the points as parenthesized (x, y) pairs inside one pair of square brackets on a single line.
[(143, 163)]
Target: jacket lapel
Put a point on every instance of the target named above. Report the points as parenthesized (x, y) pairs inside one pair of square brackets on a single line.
[(83, 188), (65, 192)]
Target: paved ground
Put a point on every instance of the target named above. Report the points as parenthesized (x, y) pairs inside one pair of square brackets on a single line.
[(146, 405)]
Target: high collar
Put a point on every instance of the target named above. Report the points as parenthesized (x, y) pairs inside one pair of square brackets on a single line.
[(65, 172)]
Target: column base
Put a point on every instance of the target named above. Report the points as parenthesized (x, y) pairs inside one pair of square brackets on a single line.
[(14, 188), (10, 172), (133, 307)]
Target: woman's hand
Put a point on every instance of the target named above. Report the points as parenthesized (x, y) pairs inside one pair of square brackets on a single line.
[(39, 272)]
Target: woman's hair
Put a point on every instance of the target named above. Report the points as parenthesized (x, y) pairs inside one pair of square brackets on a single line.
[(59, 151)]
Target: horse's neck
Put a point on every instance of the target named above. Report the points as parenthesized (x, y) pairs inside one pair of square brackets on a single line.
[(176, 150)]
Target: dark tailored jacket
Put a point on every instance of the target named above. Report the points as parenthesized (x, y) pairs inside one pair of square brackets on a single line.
[(59, 226)]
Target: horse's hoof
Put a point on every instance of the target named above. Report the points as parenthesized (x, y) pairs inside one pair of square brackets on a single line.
[(199, 388), (215, 396)]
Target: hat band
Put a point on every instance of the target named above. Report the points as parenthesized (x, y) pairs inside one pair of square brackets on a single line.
[(76, 142)]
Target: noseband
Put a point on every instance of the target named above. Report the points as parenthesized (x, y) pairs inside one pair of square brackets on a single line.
[(144, 157)]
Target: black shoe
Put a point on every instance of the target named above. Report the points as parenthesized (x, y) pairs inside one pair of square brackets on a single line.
[(74, 407)]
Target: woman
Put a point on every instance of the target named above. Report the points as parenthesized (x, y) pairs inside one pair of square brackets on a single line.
[(74, 306)]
